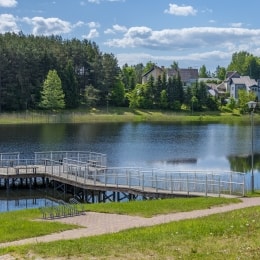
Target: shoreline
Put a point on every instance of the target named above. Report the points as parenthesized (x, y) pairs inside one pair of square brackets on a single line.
[(123, 115)]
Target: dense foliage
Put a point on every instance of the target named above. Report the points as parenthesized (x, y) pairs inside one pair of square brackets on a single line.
[(87, 76), (26, 61)]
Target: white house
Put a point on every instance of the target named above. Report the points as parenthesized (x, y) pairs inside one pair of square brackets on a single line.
[(234, 82)]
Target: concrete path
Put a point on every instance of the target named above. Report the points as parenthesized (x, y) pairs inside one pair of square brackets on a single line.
[(100, 223)]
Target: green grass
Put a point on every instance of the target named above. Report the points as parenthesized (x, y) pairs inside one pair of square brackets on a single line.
[(232, 235), (18, 225), (151, 208), (122, 115), (21, 224)]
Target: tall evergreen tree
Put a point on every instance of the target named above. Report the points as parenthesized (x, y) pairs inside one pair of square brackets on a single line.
[(70, 87), (117, 96), (110, 71), (157, 91), (203, 73), (52, 95)]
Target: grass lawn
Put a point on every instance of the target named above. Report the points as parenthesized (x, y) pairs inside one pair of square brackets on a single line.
[(178, 239), (233, 235)]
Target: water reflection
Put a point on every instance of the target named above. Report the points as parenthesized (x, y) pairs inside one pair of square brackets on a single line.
[(244, 163), (17, 199)]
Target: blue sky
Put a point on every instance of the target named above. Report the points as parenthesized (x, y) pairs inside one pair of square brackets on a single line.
[(193, 33)]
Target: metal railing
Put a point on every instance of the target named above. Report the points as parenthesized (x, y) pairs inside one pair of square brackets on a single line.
[(78, 168), (98, 159), (155, 180)]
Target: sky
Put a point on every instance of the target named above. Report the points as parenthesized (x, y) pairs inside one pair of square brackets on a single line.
[(192, 33)]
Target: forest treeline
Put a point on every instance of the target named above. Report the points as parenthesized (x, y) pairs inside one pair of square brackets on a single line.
[(26, 61), (88, 77)]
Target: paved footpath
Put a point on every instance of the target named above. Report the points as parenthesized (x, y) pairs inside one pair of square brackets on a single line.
[(101, 223)]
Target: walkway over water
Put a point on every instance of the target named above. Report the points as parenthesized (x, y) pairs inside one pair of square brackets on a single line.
[(87, 171)]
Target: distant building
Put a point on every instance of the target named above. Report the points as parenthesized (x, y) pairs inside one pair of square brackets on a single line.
[(188, 76), (234, 82), (154, 72)]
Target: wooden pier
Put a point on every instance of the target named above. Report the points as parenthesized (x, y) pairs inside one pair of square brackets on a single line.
[(85, 175)]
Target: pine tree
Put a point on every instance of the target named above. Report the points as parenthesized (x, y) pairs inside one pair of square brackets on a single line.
[(52, 95)]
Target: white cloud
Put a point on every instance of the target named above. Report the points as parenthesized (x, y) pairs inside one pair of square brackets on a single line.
[(119, 28), (78, 24), (109, 31), (180, 10), (93, 33), (186, 60), (93, 25), (8, 3), (8, 23), (189, 46), (179, 39), (116, 28), (48, 26), (141, 32)]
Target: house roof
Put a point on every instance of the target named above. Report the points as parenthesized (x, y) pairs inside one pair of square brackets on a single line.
[(221, 87), (153, 68), (211, 85), (246, 80), (232, 74), (185, 74)]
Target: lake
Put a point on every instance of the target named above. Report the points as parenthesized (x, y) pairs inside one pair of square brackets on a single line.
[(152, 145)]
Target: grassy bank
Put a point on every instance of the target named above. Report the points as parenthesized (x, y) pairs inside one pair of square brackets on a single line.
[(176, 239), (233, 235), (121, 115), (22, 226)]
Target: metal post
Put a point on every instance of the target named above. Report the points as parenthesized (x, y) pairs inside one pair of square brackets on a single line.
[(219, 185), (252, 106), (129, 179), (252, 151), (188, 192), (156, 183), (206, 188), (142, 181), (244, 181), (85, 174), (230, 184), (95, 177), (171, 184)]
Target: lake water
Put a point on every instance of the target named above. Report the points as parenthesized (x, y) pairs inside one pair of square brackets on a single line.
[(152, 145)]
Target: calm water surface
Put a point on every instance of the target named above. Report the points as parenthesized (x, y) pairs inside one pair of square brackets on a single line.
[(208, 146), (153, 145)]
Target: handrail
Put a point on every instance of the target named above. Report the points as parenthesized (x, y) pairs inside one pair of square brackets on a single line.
[(188, 181), (135, 178)]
